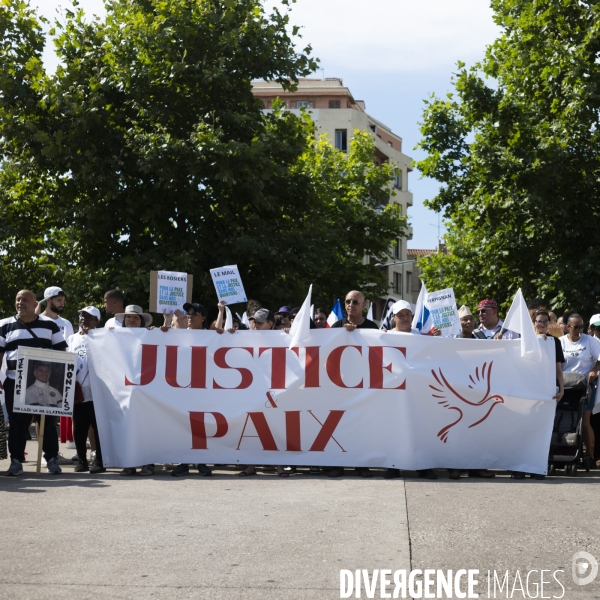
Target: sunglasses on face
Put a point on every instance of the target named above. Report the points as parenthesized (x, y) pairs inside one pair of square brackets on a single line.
[(355, 302), (575, 326)]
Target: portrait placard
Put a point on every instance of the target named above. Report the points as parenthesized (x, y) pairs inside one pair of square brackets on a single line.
[(45, 382)]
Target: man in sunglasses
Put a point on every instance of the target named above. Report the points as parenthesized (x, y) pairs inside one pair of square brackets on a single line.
[(490, 325), (355, 305)]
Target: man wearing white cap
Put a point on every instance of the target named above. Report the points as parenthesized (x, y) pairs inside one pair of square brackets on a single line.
[(403, 316), (55, 299), (402, 319)]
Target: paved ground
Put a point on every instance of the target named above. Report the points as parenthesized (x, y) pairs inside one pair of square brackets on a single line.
[(86, 537)]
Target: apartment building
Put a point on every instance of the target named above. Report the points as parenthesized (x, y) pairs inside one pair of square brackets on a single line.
[(337, 114)]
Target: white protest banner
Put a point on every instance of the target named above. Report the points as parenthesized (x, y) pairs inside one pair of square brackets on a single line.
[(361, 398), (169, 290), (45, 382), (442, 308), (228, 284)]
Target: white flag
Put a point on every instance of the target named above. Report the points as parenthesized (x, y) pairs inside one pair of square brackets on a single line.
[(301, 326), (518, 320)]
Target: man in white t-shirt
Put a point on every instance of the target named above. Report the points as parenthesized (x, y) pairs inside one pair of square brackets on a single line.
[(55, 299), (84, 415), (582, 355), (114, 303)]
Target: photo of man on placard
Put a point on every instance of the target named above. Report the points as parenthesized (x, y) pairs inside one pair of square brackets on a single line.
[(45, 383)]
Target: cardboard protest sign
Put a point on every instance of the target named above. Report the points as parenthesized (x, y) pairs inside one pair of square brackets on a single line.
[(45, 382), (442, 308), (228, 284), (169, 290)]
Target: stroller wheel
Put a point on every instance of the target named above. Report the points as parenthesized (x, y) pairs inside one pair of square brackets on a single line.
[(551, 469), (571, 470)]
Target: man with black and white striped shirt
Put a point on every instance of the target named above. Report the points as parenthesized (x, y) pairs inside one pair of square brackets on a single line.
[(32, 331)]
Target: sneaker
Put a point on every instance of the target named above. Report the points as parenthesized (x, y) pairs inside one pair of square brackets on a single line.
[(75, 457), (61, 460), (180, 470), (147, 470), (127, 472), (93, 455), (71, 445), (96, 467), (82, 466), (52, 467), (16, 468), (204, 470)]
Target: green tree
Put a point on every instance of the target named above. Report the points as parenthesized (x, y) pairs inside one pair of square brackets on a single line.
[(147, 150), (515, 147)]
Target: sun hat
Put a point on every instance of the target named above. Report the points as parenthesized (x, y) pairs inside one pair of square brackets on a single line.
[(134, 309)]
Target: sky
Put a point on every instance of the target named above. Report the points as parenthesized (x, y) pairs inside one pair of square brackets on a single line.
[(393, 54)]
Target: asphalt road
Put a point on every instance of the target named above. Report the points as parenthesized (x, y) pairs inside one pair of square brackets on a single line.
[(88, 536)]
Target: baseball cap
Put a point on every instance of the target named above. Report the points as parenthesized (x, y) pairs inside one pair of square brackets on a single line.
[(52, 292), (487, 303), (284, 310), (595, 320), (401, 305), (196, 306), (90, 310), (464, 311), (262, 315)]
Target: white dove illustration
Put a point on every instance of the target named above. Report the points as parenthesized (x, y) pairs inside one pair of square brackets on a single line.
[(452, 404)]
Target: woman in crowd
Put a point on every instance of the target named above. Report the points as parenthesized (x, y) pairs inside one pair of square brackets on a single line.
[(262, 320), (196, 315), (541, 322), (320, 319), (582, 355), (134, 317)]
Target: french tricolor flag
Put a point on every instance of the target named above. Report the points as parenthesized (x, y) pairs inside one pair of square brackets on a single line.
[(422, 319), (336, 314)]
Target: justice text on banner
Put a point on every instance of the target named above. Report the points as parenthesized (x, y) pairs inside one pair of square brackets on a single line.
[(361, 398)]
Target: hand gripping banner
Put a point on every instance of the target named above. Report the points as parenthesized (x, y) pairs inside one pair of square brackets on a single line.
[(364, 398)]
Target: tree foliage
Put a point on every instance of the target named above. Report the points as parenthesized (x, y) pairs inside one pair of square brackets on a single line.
[(147, 150), (515, 147)]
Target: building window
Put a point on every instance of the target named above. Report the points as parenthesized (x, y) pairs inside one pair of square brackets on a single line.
[(398, 283), (390, 144), (398, 179), (334, 104), (398, 248), (303, 103), (373, 128), (341, 140), (408, 279)]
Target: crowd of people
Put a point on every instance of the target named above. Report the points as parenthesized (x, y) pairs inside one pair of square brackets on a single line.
[(40, 325)]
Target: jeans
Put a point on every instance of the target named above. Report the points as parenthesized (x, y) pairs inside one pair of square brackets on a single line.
[(19, 424)]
